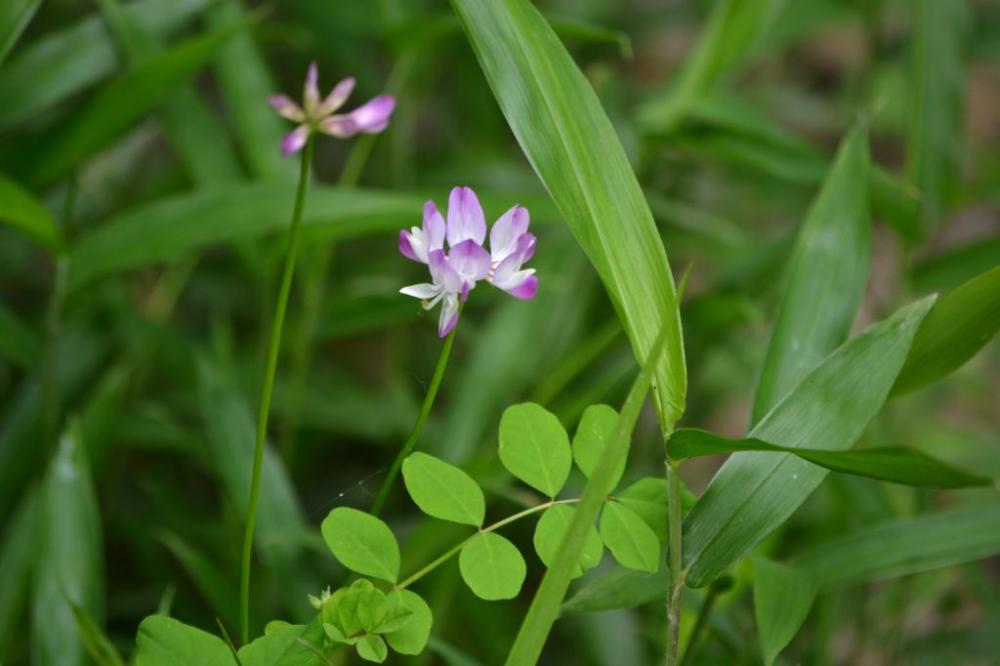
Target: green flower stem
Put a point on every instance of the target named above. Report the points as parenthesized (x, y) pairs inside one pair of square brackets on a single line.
[(294, 240), (425, 410), (676, 572), (491, 528), (714, 590)]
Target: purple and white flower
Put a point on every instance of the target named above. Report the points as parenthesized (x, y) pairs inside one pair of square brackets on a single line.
[(318, 115), (455, 254)]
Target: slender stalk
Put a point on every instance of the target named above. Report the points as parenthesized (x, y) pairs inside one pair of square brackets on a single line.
[(704, 612), (425, 410), (676, 572), (294, 240), (448, 554)]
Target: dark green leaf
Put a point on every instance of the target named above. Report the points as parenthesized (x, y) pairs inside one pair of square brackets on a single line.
[(959, 325), (782, 597), (826, 277), (14, 18), (17, 342), (20, 209), (492, 567), (362, 543), (898, 464), (755, 492), (559, 122), (17, 555), (95, 641), (618, 588)]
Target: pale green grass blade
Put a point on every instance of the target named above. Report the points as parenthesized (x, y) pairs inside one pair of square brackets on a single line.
[(18, 552), (961, 323), (754, 493), (826, 277), (69, 567), (936, 103), (14, 18), (565, 134), (907, 546), (65, 62), (22, 211)]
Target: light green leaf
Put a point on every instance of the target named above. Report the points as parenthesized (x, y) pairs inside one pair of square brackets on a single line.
[(492, 567), (17, 342), (959, 325), (397, 615), (363, 543), (565, 134), (936, 100), (65, 62), (20, 209), (550, 532), (756, 492), (14, 18), (372, 648), (68, 568), (164, 641), (592, 434), (782, 597), (618, 588), (119, 105), (443, 491), (906, 546), (534, 447), (630, 539), (95, 641), (826, 277), (897, 464), (288, 645), (173, 227), (372, 605), (412, 638), (648, 498)]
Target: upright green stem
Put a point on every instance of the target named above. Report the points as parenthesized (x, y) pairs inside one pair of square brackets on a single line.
[(425, 410), (294, 240), (676, 572)]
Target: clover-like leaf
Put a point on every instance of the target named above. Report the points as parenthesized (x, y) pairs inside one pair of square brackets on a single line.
[(648, 498), (492, 567), (549, 533), (630, 539), (412, 636), (596, 427), (372, 648), (534, 447), (443, 491), (397, 615), (372, 605), (363, 543)]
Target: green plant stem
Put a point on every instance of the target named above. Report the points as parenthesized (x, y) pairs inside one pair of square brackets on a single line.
[(434, 564), (294, 240), (676, 572), (425, 410)]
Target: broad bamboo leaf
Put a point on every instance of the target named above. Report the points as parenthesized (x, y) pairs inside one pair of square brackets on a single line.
[(564, 132), (907, 546), (17, 342), (119, 105), (959, 325), (65, 62), (826, 277), (935, 109), (21, 210), (18, 552), (68, 569), (618, 588), (756, 492), (174, 227), (14, 18), (898, 464), (782, 597)]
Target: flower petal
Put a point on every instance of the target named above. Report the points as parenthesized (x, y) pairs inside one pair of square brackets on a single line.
[(434, 227), (522, 284), (310, 92), (337, 97), (286, 108), (449, 315), (465, 217), (526, 247), (371, 118), (506, 231), (471, 261), (294, 140), (442, 272), (423, 291), (412, 246)]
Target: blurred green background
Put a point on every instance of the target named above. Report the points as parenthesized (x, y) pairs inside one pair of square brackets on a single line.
[(146, 196)]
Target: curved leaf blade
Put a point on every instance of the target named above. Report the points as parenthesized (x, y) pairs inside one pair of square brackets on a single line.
[(20, 209), (782, 597), (565, 134), (14, 18)]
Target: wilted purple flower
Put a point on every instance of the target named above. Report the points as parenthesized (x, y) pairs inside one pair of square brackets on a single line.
[(317, 115), (457, 265)]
